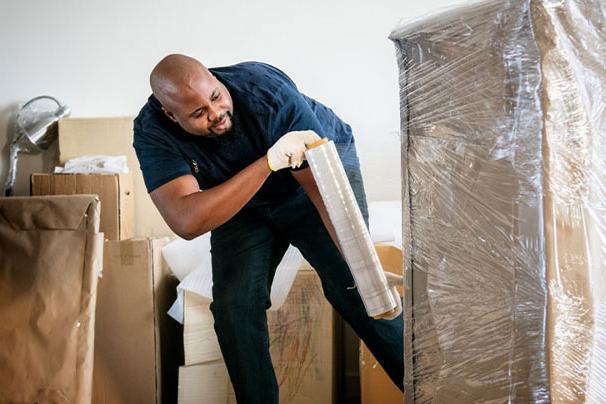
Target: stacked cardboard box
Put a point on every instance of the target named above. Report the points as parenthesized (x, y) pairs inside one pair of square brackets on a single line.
[(301, 346), (302, 342), (50, 260), (113, 136), (138, 346), (115, 193)]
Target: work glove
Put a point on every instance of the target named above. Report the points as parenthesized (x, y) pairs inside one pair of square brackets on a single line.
[(289, 150)]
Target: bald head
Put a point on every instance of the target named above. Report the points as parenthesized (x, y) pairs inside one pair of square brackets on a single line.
[(174, 76), (191, 96)]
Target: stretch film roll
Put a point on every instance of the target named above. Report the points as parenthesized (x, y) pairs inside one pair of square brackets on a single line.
[(380, 300)]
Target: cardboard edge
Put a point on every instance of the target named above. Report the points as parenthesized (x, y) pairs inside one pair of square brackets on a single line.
[(92, 267), (126, 206)]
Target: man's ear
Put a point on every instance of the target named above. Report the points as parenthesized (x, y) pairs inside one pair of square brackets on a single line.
[(169, 114)]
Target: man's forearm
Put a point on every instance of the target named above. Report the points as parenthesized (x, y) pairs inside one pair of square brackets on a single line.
[(190, 213), (203, 211)]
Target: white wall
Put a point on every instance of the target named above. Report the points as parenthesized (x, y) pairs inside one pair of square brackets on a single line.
[(96, 56)]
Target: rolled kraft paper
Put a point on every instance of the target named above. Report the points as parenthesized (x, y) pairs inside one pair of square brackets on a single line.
[(357, 247)]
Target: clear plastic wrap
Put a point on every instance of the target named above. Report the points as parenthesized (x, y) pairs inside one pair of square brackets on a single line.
[(504, 202), (572, 40), (380, 299)]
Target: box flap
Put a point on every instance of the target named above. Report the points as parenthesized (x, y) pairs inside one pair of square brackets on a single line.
[(49, 212)]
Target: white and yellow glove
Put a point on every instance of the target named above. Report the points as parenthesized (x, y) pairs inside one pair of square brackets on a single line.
[(289, 150)]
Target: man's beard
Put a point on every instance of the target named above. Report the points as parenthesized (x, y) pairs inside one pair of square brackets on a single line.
[(228, 131), (233, 133)]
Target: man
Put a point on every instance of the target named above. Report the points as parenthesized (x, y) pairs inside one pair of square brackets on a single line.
[(214, 146)]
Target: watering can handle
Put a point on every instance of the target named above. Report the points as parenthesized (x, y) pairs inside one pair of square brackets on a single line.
[(12, 170)]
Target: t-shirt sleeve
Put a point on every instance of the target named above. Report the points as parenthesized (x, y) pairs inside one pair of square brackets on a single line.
[(160, 161), (293, 114)]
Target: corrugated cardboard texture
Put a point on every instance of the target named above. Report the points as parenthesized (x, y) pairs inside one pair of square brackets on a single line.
[(50, 260), (138, 349), (301, 336), (375, 386), (112, 136), (115, 193)]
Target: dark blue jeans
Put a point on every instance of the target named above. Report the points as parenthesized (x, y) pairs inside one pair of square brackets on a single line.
[(245, 253)]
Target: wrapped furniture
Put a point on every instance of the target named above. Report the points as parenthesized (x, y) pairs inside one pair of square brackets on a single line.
[(504, 202)]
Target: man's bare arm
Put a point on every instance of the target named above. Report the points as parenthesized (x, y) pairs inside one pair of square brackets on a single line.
[(190, 213)]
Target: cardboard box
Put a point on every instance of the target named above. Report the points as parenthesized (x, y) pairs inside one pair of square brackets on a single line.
[(112, 136), (301, 335), (138, 347), (115, 193), (574, 143), (50, 261), (375, 386), (302, 349)]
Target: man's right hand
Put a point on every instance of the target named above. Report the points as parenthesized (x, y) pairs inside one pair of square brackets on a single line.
[(289, 150)]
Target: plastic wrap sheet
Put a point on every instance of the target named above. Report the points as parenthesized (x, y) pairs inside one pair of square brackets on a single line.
[(503, 197), (379, 299), (572, 40)]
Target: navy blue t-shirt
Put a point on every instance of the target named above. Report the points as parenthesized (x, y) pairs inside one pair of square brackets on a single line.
[(266, 106)]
